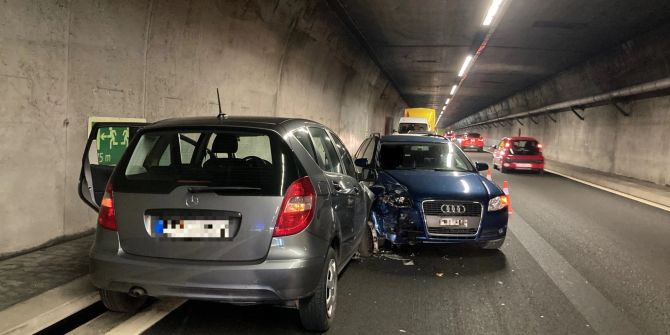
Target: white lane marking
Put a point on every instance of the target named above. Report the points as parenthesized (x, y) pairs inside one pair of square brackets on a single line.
[(607, 189), (601, 314), (143, 320), (44, 310), (101, 324)]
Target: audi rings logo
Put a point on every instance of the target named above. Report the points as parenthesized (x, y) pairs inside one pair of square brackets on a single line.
[(192, 200), (452, 209)]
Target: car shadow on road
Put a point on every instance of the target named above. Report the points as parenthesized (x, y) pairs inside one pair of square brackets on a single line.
[(427, 260)]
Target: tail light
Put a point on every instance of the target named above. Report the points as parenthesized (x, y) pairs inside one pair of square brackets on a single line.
[(297, 208), (106, 216)]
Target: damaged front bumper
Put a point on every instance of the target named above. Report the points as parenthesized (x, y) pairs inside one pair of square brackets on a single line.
[(401, 226)]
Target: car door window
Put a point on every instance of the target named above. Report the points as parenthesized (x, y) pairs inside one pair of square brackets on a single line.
[(302, 135), (362, 148), (325, 151), (345, 157), (369, 152)]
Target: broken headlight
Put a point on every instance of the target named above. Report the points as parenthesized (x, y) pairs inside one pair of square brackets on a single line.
[(397, 196)]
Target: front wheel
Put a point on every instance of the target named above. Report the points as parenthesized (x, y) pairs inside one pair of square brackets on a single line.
[(317, 312)]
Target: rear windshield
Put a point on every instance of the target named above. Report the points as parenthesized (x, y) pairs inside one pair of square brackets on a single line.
[(412, 127), (423, 156), (474, 135), (524, 147), (235, 161)]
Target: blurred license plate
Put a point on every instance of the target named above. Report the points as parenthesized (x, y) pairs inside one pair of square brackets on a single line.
[(523, 165), (453, 222), (192, 228)]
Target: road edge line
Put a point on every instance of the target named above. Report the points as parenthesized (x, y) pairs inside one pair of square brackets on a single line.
[(146, 318), (610, 190), (47, 308)]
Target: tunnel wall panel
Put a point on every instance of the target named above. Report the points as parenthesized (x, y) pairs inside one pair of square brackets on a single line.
[(64, 61)]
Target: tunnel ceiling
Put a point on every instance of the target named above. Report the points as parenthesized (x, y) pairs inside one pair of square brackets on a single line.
[(421, 45)]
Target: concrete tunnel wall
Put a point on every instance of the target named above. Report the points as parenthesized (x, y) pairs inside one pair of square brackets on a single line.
[(64, 61), (636, 146)]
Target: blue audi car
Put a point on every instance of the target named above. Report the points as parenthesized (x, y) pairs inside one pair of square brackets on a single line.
[(426, 190)]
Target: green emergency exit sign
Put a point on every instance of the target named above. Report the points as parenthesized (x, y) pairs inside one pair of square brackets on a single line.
[(111, 142)]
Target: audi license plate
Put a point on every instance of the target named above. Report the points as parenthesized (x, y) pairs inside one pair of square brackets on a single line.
[(192, 228), (451, 222), (523, 165)]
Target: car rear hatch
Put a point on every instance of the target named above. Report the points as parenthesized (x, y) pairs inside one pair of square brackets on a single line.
[(202, 194), (525, 151)]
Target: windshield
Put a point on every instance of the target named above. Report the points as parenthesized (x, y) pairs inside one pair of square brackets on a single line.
[(412, 128), (524, 147), (241, 162), (423, 156)]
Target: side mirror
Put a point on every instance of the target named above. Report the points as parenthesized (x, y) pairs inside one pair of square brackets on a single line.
[(481, 166), (362, 163)]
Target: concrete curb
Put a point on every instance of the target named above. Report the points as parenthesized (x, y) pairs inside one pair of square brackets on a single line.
[(42, 311)]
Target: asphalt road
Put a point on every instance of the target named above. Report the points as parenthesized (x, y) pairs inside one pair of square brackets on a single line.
[(577, 260)]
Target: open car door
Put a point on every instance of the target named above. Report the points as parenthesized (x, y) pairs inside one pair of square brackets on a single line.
[(106, 144)]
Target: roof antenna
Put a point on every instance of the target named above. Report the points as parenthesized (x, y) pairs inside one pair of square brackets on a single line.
[(218, 98)]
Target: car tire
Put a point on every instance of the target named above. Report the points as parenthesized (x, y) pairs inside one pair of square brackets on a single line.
[(494, 245), (367, 246), (317, 312), (504, 170), (540, 172), (122, 302)]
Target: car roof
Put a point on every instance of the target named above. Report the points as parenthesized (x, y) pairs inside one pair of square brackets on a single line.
[(414, 138), (521, 138), (275, 123)]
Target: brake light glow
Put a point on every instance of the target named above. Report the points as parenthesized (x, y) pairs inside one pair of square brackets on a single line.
[(507, 145), (106, 215), (539, 146), (297, 208)]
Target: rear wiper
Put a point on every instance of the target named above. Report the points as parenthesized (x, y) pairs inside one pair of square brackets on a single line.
[(214, 189)]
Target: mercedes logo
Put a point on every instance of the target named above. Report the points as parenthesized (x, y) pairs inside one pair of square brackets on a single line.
[(192, 200), (452, 209)]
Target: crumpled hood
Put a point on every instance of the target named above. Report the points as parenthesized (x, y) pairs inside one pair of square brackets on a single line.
[(424, 184)]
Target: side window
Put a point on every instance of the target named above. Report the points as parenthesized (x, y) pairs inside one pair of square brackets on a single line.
[(345, 157), (370, 151), (302, 134), (187, 144), (325, 151), (362, 148)]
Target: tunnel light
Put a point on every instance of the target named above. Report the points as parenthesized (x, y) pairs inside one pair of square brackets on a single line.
[(446, 102), (493, 10), (465, 66), (444, 107), (453, 89)]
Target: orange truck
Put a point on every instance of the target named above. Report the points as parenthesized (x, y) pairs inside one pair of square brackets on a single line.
[(417, 120)]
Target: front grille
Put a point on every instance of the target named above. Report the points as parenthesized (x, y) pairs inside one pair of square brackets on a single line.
[(452, 231), (434, 208)]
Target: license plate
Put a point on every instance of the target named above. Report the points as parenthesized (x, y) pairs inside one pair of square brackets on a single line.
[(192, 228), (453, 222), (523, 165)]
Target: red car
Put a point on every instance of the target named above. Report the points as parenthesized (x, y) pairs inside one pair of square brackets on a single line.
[(518, 153), (470, 141)]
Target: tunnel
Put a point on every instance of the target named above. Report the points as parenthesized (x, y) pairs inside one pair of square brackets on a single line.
[(468, 166)]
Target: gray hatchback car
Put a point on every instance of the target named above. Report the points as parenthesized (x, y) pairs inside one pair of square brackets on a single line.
[(239, 209)]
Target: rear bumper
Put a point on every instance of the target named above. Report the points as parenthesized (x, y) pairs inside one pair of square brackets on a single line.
[(472, 147), (270, 281), (523, 166)]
